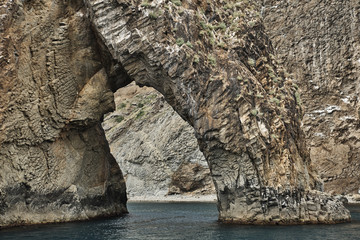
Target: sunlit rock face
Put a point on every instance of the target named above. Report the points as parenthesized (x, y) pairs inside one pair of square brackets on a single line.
[(214, 64), (156, 149), (55, 163), (319, 43)]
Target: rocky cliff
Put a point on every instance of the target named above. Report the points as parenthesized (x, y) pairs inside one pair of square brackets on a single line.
[(213, 63), (319, 43), (55, 163), (155, 148), (321, 53)]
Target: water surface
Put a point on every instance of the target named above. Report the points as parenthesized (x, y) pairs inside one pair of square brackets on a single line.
[(181, 221)]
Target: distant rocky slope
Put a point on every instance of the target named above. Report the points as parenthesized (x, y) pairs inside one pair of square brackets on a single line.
[(156, 149)]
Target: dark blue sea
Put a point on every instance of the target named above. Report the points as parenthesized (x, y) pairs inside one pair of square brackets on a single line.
[(181, 221)]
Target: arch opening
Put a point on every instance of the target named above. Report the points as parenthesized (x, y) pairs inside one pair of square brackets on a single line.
[(156, 149)]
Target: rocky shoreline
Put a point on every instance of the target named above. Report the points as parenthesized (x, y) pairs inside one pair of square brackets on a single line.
[(347, 199), (353, 199), (173, 198)]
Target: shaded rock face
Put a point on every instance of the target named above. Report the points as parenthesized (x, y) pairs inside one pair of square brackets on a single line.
[(155, 148), (319, 43), (215, 66), (55, 163), (191, 178)]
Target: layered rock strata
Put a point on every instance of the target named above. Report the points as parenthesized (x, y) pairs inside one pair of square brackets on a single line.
[(215, 66), (55, 163), (319, 43), (155, 148)]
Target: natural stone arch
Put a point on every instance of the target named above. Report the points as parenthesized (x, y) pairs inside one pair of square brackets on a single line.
[(56, 86), (244, 109)]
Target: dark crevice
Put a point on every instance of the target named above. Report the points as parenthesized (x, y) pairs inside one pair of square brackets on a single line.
[(117, 75)]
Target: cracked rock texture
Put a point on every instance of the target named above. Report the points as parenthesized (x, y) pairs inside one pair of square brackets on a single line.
[(156, 149), (55, 163), (214, 64), (319, 43), (322, 54)]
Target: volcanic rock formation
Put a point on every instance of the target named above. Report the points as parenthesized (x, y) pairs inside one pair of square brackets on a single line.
[(217, 70), (55, 163), (212, 62), (319, 43)]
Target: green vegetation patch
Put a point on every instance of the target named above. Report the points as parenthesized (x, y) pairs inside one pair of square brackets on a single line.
[(176, 2), (140, 114), (189, 44), (275, 100), (221, 26), (212, 60), (122, 105), (180, 42), (154, 15), (196, 59), (119, 119), (251, 62), (254, 112), (145, 3)]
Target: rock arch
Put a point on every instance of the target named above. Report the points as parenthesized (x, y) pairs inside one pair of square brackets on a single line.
[(226, 83), (214, 67)]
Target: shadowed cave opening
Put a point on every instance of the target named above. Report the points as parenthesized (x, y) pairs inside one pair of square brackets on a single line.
[(156, 149)]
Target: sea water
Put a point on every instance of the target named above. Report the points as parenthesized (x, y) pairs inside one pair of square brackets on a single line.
[(181, 221)]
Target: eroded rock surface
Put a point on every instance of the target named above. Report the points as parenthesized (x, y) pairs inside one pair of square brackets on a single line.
[(55, 163), (156, 149), (214, 65), (212, 62), (319, 43)]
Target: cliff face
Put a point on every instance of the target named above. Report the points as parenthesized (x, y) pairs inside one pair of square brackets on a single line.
[(156, 149), (319, 43), (55, 163), (212, 62), (215, 67)]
